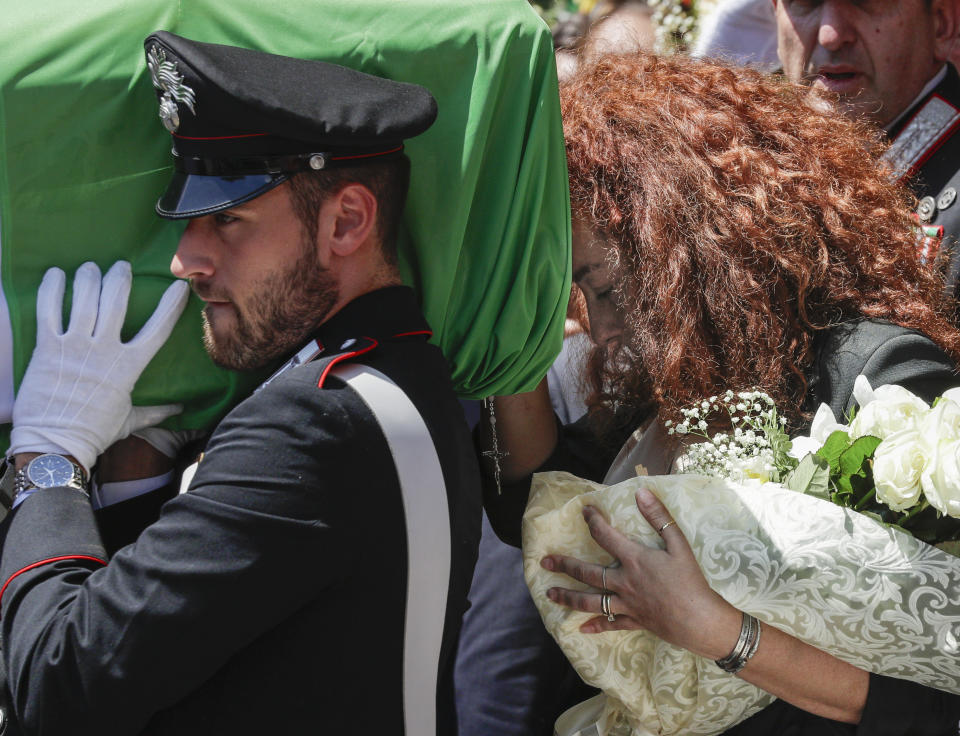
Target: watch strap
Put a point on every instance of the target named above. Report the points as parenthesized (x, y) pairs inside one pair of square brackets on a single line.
[(8, 473)]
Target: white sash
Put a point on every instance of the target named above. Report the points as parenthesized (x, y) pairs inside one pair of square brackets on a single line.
[(428, 539)]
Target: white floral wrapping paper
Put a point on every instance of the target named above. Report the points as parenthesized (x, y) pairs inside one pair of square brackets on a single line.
[(868, 594)]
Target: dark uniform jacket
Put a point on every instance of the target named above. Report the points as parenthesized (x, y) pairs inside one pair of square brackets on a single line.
[(271, 597), (884, 353), (929, 137)]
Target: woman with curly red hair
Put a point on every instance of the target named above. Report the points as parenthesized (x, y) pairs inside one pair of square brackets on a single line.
[(730, 232)]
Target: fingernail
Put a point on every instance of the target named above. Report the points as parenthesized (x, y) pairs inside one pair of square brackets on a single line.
[(552, 594), (587, 512), (588, 628), (645, 496), (547, 563)]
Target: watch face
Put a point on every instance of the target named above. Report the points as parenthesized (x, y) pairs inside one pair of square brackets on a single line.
[(50, 471)]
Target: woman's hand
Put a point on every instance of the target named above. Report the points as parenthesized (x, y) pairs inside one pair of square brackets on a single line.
[(664, 592), (661, 590)]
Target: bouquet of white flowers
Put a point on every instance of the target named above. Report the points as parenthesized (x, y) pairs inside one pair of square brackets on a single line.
[(896, 451), (831, 565), (898, 459)]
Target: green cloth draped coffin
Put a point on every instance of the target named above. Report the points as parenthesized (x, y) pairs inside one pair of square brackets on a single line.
[(83, 158)]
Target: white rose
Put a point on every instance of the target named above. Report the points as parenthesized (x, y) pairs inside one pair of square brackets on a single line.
[(941, 478), (824, 424), (890, 409), (898, 465), (943, 421)]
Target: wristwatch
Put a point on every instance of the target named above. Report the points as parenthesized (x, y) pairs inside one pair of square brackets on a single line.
[(49, 471)]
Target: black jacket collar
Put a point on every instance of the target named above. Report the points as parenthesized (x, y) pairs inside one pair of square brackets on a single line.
[(382, 314), (949, 89)]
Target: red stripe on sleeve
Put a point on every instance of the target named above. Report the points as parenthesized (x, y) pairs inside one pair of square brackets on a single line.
[(47, 562)]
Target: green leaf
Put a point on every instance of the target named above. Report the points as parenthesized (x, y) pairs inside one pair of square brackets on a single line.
[(811, 476), (844, 490), (836, 443), (854, 459), (781, 445), (850, 469)]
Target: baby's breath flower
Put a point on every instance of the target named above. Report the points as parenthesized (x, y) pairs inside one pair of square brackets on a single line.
[(743, 452)]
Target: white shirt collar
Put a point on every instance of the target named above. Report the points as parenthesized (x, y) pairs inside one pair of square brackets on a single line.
[(931, 85)]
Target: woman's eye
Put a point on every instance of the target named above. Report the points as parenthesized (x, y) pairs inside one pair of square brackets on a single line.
[(605, 294), (223, 219)]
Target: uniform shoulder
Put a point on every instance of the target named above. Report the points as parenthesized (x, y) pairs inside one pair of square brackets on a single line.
[(298, 408)]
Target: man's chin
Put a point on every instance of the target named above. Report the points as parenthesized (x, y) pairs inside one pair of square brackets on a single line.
[(237, 353), (853, 101), (234, 359), (225, 349)]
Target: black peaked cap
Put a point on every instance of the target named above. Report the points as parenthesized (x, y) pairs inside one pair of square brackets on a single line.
[(244, 121)]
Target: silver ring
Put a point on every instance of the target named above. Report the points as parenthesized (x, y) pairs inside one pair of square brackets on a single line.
[(605, 607), (660, 530)]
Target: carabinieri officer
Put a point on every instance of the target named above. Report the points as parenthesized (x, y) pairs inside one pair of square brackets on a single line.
[(312, 575)]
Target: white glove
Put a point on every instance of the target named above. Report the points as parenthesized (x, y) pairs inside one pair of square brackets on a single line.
[(75, 395)]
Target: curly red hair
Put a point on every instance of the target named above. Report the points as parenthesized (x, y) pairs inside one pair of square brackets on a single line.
[(742, 216)]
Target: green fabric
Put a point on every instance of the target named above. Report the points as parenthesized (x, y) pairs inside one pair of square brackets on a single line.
[(83, 158)]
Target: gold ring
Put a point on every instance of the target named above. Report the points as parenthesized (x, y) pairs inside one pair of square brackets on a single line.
[(660, 530)]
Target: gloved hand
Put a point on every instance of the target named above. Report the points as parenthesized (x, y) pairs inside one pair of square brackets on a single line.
[(75, 395)]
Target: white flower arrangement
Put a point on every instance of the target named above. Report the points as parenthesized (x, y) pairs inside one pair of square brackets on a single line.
[(748, 450), (917, 461), (896, 457)]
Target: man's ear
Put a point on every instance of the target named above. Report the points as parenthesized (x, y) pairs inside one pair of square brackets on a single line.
[(352, 217), (945, 28)]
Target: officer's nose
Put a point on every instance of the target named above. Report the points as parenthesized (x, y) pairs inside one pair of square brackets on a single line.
[(836, 30), (193, 258)]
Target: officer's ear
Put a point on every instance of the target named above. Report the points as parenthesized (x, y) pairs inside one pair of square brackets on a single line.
[(945, 28), (350, 217)]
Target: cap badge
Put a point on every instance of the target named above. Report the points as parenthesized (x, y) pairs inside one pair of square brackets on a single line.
[(166, 78)]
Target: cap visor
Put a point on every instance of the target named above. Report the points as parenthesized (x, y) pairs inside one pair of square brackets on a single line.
[(193, 195)]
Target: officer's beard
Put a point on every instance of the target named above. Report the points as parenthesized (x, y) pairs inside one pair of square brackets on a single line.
[(283, 309)]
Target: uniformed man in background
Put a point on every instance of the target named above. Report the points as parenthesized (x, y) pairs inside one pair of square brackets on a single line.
[(313, 574), (887, 60)]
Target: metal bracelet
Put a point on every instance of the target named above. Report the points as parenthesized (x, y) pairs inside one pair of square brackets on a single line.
[(745, 648)]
